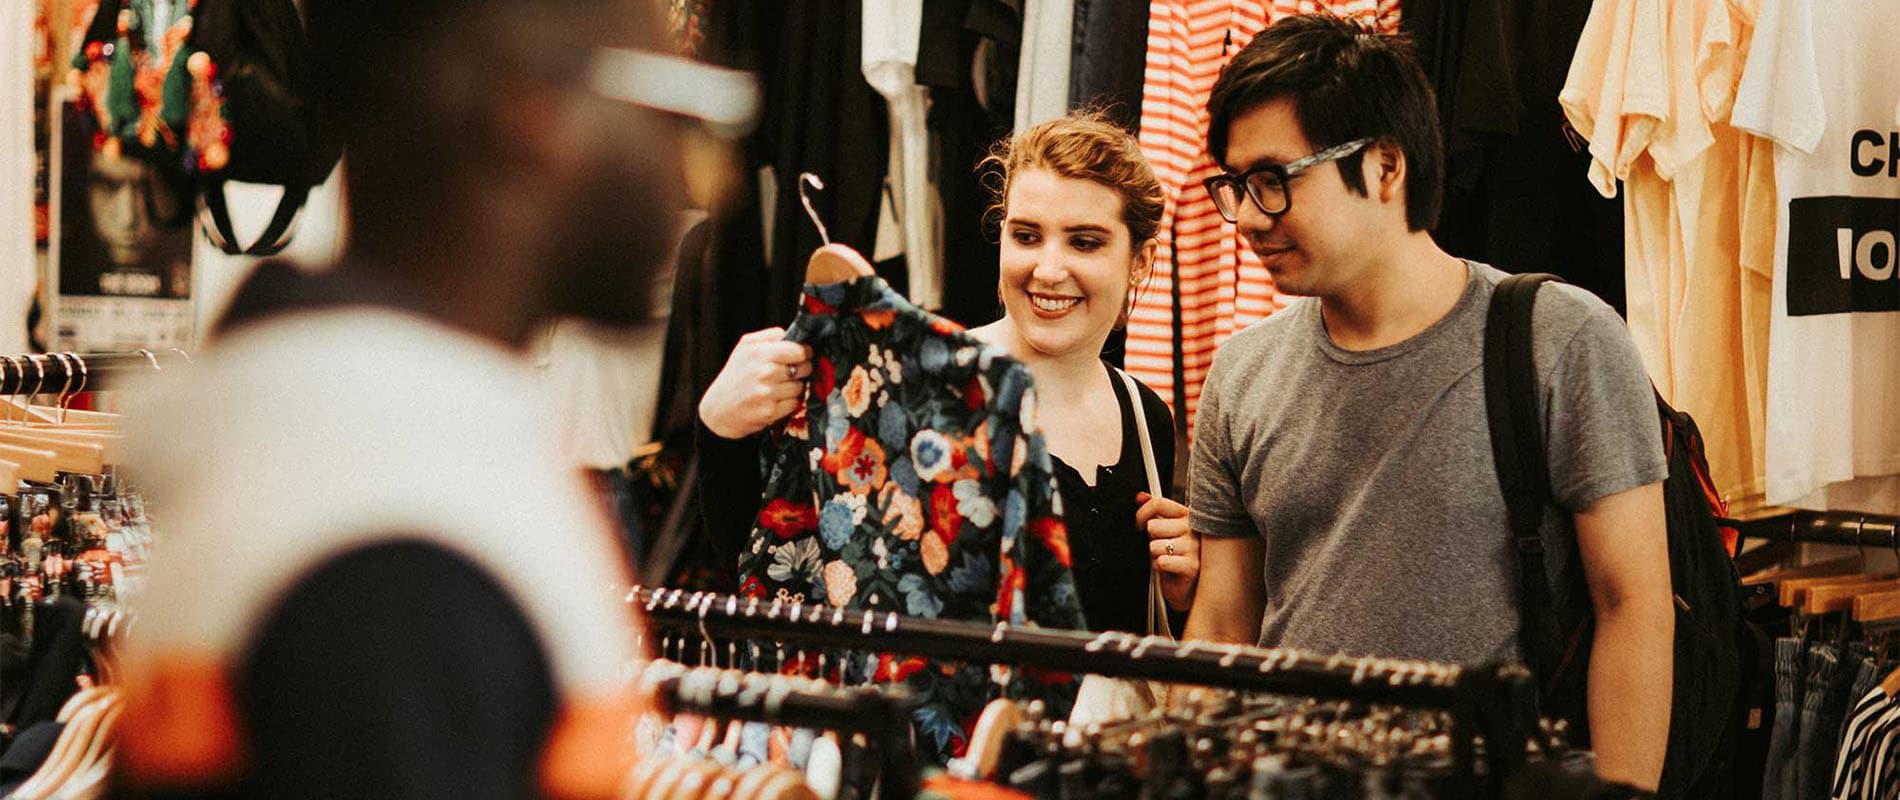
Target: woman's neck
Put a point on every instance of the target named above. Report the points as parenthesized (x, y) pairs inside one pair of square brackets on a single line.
[(1061, 379)]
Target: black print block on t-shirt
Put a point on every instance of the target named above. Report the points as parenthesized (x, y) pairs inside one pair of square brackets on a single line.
[(1842, 255)]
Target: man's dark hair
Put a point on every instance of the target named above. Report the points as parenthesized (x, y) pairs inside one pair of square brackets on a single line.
[(1346, 82)]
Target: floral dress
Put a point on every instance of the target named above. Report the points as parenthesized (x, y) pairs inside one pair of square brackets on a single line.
[(913, 479)]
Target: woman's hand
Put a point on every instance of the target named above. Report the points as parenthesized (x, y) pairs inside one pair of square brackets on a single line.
[(1173, 547), (761, 384)]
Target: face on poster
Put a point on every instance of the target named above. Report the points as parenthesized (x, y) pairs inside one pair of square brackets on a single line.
[(120, 262)]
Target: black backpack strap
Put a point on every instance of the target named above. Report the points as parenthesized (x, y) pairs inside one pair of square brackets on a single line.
[(1517, 436), (276, 235)]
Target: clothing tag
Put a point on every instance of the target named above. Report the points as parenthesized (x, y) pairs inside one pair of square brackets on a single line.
[(1754, 719), (1576, 140)]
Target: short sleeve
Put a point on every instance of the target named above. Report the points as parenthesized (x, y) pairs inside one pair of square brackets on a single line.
[(1214, 496), (1780, 95), (1600, 412), (1616, 90)]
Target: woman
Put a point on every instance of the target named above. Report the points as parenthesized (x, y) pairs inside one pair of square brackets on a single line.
[(1079, 208)]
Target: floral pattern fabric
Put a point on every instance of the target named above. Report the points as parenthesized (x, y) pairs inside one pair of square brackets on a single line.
[(913, 479)]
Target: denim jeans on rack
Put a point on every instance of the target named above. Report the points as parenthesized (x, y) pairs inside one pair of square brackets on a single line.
[(1777, 781), (1830, 677)]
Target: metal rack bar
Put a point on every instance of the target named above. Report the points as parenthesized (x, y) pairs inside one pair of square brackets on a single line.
[(71, 373), (1499, 700)]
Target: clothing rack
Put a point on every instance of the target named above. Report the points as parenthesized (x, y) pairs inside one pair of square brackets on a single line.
[(1497, 701), (71, 373), (1827, 527), (882, 716)]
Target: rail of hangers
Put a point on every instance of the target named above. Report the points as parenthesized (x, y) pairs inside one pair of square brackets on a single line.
[(1498, 701), (67, 374), (1826, 527), (882, 716)]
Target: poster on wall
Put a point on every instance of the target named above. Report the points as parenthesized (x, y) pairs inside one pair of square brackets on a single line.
[(120, 262)]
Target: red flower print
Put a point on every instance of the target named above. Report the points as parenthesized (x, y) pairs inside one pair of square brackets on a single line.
[(786, 518), (944, 518), (824, 377), (892, 669), (752, 587), (944, 326), (1054, 534), (973, 394), (1047, 677), (814, 305), (1007, 588), (858, 462), (878, 319)]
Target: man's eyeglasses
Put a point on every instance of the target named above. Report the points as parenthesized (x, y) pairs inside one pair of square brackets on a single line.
[(1267, 185)]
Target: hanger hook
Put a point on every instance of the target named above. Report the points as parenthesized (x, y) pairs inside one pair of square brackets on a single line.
[(39, 375), (182, 354), (808, 179), (66, 388), (85, 373), (153, 358), (7, 370)]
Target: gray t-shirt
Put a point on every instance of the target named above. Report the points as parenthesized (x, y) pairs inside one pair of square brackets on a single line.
[(1370, 477)]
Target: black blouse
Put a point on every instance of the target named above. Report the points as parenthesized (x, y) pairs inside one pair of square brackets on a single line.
[(1110, 555)]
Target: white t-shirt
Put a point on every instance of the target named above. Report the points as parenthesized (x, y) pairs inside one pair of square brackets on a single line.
[(1820, 83)]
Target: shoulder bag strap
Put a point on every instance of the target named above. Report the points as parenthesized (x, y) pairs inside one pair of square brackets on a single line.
[(1517, 438), (1157, 607)]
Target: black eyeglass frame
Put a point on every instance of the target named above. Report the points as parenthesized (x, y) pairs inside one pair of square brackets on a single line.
[(1285, 172)]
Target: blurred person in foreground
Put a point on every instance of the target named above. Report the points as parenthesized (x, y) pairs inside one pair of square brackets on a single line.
[(376, 578)]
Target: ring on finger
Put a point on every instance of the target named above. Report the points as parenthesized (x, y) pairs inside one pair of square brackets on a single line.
[(791, 372), (1168, 548)]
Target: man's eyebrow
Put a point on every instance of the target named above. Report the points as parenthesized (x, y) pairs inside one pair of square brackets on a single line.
[(1267, 160), (1086, 228)]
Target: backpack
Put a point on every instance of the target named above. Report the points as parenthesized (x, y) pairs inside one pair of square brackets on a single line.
[(1558, 621), (254, 114)]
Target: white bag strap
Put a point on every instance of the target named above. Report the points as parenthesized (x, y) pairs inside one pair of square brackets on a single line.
[(1157, 607), (1141, 428)]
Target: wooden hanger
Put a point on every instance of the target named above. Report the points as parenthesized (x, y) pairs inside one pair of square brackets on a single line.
[(836, 263), (31, 463), (89, 769), (1877, 606), (1833, 566), (70, 455), (832, 263), (1795, 591), (986, 739), (1836, 598), (68, 750)]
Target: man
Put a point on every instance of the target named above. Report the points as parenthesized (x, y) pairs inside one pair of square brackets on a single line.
[(1342, 470), (377, 577)]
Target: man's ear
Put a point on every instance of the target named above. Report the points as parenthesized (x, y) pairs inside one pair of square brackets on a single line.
[(1386, 169)]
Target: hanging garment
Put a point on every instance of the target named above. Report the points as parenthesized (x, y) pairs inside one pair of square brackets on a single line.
[(1207, 284), (1511, 197), (1874, 717), (1042, 87), (1650, 87), (891, 32), (971, 107), (913, 479), (1821, 85), (18, 262), (1107, 57)]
